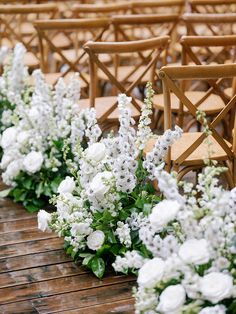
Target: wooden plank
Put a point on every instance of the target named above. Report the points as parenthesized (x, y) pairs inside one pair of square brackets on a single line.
[(120, 307), (10, 211), (20, 308), (18, 225), (25, 236), (57, 286), (42, 273), (33, 260), (30, 247)]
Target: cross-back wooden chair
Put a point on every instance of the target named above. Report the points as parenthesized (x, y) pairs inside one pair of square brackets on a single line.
[(212, 6), (16, 25), (189, 152), (158, 7), (74, 59), (106, 107)]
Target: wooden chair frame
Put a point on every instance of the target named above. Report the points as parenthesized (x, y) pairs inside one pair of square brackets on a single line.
[(69, 25), (24, 10), (106, 10), (156, 45), (169, 76), (138, 7), (210, 6)]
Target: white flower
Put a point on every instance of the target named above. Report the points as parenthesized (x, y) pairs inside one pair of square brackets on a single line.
[(172, 299), (163, 213), (195, 251), (44, 219), (96, 152), (9, 137), (23, 137), (216, 287), (80, 228), (151, 273), (66, 186), (98, 185), (95, 240), (14, 169), (33, 162), (218, 309)]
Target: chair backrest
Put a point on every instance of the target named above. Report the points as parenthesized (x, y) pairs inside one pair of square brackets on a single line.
[(16, 23), (171, 76), (100, 10), (212, 6), (147, 65), (210, 24), (72, 28), (158, 7)]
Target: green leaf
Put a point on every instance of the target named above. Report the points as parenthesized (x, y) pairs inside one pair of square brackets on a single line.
[(39, 189), (27, 183), (111, 237), (5, 193), (31, 208), (55, 183), (87, 260), (147, 208), (19, 195), (98, 266)]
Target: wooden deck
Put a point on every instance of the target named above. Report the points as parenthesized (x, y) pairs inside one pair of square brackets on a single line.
[(36, 276)]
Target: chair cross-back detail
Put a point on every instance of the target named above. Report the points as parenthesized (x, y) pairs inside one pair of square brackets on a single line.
[(75, 59), (123, 85), (189, 151), (212, 6), (158, 7)]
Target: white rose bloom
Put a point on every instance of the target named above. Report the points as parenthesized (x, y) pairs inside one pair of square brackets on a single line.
[(66, 186), (98, 185), (195, 251), (95, 240), (9, 137), (44, 219), (80, 228), (151, 273), (33, 162), (218, 309), (216, 287), (172, 299), (14, 169), (163, 213), (23, 137), (8, 157), (96, 152)]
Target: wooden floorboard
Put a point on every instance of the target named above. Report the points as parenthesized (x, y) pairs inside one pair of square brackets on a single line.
[(36, 276)]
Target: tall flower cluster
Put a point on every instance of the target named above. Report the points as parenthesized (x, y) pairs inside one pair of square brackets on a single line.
[(99, 209), (192, 241)]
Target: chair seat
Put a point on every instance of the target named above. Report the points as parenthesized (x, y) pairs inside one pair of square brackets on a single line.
[(102, 104), (31, 60), (197, 157), (72, 55), (228, 91), (212, 105)]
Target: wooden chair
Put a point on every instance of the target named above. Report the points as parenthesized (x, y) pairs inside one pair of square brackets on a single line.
[(158, 7), (16, 26), (189, 152), (74, 59), (212, 6), (106, 107)]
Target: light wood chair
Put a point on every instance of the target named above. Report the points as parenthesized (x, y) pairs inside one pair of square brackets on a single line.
[(158, 7), (74, 59), (189, 152), (212, 6), (106, 107)]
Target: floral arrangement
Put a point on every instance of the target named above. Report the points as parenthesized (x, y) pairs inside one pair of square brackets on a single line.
[(193, 243), (33, 164), (100, 206)]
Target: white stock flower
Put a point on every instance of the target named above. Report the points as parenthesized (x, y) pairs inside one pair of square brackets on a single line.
[(195, 251), (163, 213), (172, 299), (151, 273), (33, 162), (216, 287), (96, 152), (23, 137), (98, 186), (66, 186), (217, 309), (9, 137), (80, 228), (95, 240), (44, 219)]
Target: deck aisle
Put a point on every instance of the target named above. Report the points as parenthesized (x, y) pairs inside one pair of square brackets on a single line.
[(36, 276)]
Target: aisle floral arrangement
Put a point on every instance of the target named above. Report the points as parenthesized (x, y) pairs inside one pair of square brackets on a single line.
[(100, 207), (193, 243), (35, 131)]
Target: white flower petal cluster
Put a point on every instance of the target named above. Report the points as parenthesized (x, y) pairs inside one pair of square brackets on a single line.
[(130, 260)]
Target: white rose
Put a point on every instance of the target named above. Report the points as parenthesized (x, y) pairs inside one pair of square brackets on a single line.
[(163, 213), (33, 162), (96, 152), (44, 219), (172, 299), (8, 157), (98, 185), (216, 287), (195, 251), (14, 168), (95, 240), (66, 186), (23, 137), (80, 228), (151, 273), (9, 137), (218, 309)]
